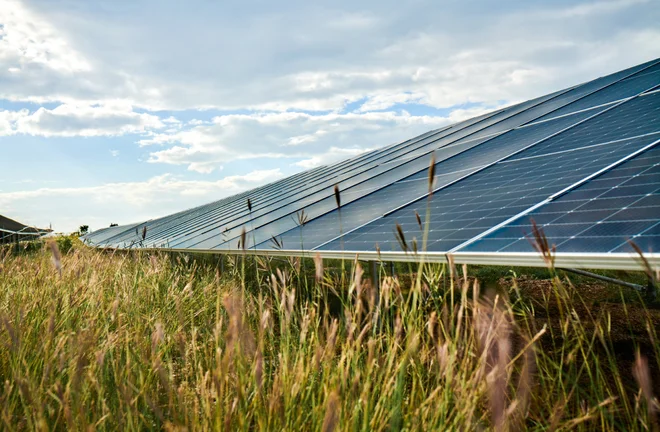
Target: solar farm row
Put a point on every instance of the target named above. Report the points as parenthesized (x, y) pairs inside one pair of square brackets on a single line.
[(582, 163)]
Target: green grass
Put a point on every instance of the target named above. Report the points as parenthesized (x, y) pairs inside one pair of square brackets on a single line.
[(137, 341)]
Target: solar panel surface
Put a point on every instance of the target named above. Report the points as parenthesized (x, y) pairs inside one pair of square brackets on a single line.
[(600, 216), (581, 162)]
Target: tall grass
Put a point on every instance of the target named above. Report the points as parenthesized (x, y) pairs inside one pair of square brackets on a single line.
[(148, 341)]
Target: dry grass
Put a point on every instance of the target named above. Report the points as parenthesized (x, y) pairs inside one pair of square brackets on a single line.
[(151, 341)]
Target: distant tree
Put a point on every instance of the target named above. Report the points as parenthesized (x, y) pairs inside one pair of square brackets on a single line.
[(84, 229), (113, 224)]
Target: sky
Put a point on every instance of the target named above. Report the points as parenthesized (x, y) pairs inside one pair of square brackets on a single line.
[(126, 110)]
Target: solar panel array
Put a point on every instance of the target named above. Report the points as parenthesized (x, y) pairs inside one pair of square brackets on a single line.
[(582, 163)]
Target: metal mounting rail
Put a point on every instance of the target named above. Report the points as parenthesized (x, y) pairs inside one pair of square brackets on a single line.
[(612, 261), (605, 278)]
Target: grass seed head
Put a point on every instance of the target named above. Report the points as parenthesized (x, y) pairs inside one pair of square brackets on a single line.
[(642, 375), (540, 242), (337, 197), (302, 217), (332, 408), (56, 256), (419, 220), (431, 173), (241, 243), (401, 238), (318, 265)]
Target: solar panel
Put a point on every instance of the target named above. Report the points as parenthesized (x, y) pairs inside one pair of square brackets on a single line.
[(399, 193), (300, 199), (282, 218), (628, 87), (482, 200), (581, 162), (600, 216)]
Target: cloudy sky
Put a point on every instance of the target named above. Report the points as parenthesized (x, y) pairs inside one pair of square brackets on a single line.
[(125, 110)]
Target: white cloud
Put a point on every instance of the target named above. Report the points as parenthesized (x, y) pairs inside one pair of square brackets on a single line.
[(8, 121), (310, 56), (69, 120), (313, 138), (597, 7), (331, 155), (384, 101), (306, 138), (125, 202), (26, 40), (353, 21)]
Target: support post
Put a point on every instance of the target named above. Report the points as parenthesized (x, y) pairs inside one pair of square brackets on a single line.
[(375, 275)]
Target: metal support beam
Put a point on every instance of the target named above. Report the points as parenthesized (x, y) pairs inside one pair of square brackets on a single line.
[(375, 274), (605, 278)]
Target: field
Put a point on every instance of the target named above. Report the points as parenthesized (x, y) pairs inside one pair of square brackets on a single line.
[(138, 340)]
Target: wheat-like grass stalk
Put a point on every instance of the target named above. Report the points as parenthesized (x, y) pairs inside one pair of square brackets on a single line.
[(133, 340)]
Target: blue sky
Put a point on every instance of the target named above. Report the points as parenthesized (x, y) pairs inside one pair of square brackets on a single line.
[(113, 112)]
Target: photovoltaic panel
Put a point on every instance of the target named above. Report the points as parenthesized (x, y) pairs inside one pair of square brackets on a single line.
[(600, 216), (219, 231), (192, 219), (196, 219), (282, 218), (636, 117), (487, 198), (374, 205), (492, 173), (483, 200), (238, 213)]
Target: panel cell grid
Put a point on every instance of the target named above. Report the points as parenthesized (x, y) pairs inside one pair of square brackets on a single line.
[(490, 197), (600, 216), (501, 166)]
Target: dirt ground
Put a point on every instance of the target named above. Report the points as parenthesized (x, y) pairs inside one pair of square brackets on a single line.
[(628, 319)]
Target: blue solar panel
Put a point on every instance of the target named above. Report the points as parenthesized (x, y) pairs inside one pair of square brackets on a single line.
[(276, 220), (322, 195), (236, 215), (487, 198), (632, 118), (628, 87), (401, 192), (492, 174), (159, 227), (600, 216)]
